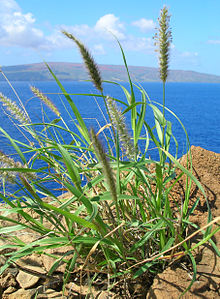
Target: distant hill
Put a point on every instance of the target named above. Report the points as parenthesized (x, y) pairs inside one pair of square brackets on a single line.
[(76, 72)]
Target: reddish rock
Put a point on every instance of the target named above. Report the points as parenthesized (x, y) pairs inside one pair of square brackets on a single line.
[(172, 282)]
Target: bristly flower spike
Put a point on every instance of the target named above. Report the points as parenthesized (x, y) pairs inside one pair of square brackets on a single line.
[(163, 41), (119, 124), (7, 162), (14, 110), (107, 171), (45, 99), (89, 62)]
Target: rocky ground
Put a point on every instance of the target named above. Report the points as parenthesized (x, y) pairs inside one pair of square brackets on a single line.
[(29, 277), (172, 282)]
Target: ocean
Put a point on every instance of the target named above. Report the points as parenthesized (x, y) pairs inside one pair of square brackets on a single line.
[(197, 106)]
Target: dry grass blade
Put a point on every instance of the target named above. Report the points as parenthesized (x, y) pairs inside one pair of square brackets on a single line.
[(93, 249), (176, 246)]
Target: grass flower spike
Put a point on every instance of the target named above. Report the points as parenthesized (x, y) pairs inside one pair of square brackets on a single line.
[(6, 162), (46, 101), (118, 121), (89, 62), (10, 176), (105, 165), (14, 110), (163, 39)]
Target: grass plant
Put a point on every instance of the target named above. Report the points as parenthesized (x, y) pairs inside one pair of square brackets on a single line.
[(121, 222)]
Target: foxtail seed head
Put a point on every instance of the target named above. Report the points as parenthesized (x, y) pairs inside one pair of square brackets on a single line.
[(14, 110), (163, 39), (89, 62), (107, 171), (7, 162), (45, 99), (119, 124)]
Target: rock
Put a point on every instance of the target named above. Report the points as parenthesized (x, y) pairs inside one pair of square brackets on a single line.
[(32, 260), (206, 168), (1, 290), (7, 280), (22, 294), (59, 252), (27, 237), (13, 271), (27, 280), (3, 242), (10, 290), (172, 282), (74, 290), (105, 295), (2, 260), (50, 293)]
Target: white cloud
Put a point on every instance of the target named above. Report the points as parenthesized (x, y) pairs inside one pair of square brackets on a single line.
[(110, 23), (80, 30), (98, 49), (139, 44), (102, 31), (182, 59), (214, 42), (8, 5), (144, 25), (189, 54), (17, 29)]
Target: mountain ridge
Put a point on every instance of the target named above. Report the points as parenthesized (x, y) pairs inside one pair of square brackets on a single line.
[(68, 71)]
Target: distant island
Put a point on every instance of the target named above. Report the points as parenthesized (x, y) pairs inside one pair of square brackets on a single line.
[(76, 72)]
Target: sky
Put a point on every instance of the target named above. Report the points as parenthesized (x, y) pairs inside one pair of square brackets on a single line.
[(30, 32)]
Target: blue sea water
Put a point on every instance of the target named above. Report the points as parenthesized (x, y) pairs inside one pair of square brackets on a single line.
[(197, 106)]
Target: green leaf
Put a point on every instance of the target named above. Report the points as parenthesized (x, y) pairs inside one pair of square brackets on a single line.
[(168, 135), (132, 100), (141, 118), (84, 130), (143, 269), (194, 275), (146, 237), (16, 147), (71, 216), (10, 229), (207, 238), (158, 116), (72, 170)]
